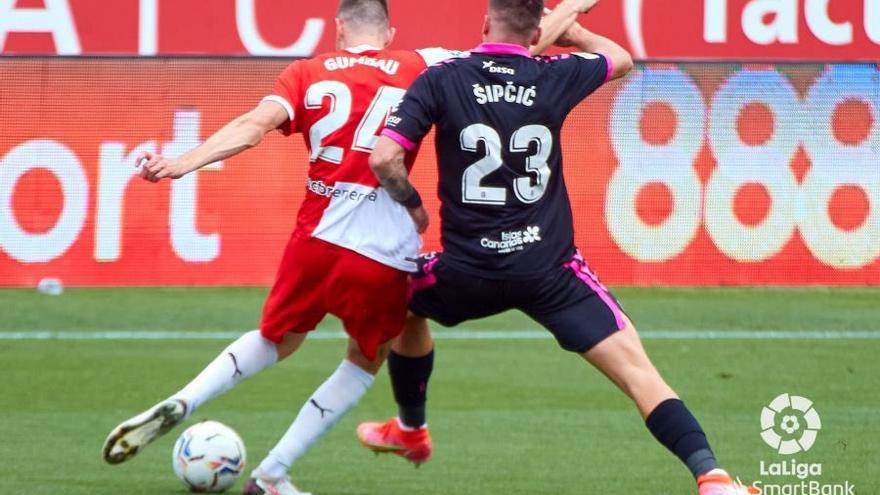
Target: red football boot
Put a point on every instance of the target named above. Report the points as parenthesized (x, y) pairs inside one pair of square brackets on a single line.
[(413, 445), (719, 482)]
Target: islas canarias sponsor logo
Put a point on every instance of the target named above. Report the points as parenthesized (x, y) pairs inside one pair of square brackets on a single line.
[(762, 22), (515, 240)]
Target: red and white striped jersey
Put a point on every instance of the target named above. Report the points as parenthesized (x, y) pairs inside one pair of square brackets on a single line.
[(339, 101)]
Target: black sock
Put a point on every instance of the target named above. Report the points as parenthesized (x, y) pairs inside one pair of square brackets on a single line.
[(677, 429), (409, 379)]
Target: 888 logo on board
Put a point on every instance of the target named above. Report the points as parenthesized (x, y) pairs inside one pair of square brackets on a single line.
[(782, 152)]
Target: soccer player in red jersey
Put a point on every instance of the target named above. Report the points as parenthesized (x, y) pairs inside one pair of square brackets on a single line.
[(507, 226), (352, 248)]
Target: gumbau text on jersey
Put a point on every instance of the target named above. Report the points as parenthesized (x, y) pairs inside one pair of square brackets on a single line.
[(389, 67)]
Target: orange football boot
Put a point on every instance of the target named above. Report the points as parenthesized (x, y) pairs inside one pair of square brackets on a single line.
[(718, 482), (413, 445)]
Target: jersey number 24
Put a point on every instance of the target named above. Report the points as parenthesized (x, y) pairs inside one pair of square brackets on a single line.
[(340, 111)]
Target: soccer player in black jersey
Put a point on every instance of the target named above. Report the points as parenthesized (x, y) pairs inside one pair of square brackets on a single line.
[(507, 227)]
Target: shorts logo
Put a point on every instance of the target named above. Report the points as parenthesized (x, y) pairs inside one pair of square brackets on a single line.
[(790, 424), (513, 241)]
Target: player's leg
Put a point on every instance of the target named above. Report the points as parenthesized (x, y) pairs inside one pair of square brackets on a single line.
[(622, 358), (586, 319), (410, 366), (370, 299), (245, 357), (289, 313), (324, 408), (412, 355), (444, 295)]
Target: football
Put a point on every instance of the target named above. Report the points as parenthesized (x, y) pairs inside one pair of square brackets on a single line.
[(209, 457)]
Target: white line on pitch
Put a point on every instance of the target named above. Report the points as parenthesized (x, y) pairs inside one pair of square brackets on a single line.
[(735, 334)]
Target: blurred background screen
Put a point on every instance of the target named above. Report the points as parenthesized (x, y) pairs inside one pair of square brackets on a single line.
[(681, 174)]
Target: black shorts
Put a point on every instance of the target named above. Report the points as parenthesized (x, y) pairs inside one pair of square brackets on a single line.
[(569, 300)]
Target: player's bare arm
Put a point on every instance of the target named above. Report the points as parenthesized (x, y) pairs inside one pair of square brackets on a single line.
[(241, 134), (585, 40), (388, 163), (557, 22)]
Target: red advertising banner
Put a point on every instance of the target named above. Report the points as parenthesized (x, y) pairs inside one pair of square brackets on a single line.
[(823, 30), (681, 174)]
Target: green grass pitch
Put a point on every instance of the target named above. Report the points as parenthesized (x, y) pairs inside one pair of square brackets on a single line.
[(507, 416)]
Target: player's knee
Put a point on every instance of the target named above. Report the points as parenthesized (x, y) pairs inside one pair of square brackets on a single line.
[(629, 347), (640, 378), (416, 338), (416, 325), (623, 358), (289, 344), (372, 366)]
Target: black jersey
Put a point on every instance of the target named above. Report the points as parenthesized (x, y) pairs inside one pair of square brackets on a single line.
[(499, 112)]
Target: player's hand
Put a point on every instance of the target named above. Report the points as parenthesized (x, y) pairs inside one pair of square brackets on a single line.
[(154, 167), (585, 6), (420, 218), (567, 39)]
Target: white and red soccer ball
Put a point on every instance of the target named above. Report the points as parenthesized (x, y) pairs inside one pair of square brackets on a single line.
[(209, 457)]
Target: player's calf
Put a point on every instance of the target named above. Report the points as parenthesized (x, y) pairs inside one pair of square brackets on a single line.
[(623, 359)]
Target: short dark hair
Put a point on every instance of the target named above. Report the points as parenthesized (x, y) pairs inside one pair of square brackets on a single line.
[(364, 12), (521, 17)]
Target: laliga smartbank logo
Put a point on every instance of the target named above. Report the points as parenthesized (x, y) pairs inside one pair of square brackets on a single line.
[(790, 425)]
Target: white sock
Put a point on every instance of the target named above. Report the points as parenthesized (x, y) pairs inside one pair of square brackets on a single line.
[(245, 357), (333, 399)]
